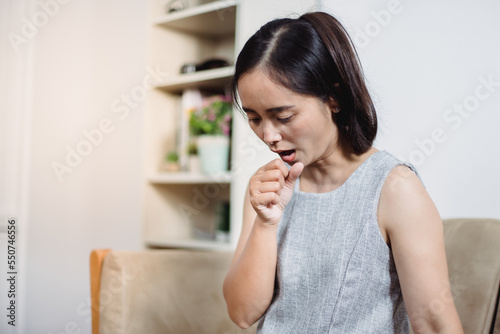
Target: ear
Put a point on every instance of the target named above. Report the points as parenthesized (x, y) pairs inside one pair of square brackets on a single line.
[(333, 105)]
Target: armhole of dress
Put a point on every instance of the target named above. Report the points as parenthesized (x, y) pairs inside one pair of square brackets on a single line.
[(381, 184), (386, 174), (384, 178), (409, 165)]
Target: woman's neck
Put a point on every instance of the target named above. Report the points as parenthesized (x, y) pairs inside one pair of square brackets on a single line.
[(330, 173)]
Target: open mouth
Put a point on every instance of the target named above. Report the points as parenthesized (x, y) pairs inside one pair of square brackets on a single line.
[(287, 156)]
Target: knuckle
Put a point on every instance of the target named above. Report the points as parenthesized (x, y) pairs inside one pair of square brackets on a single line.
[(276, 174), (276, 199)]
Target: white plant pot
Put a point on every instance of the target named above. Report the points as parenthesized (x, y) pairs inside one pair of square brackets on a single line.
[(214, 153)]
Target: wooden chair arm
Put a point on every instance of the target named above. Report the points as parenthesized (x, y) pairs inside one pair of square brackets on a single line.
[(96, 260)]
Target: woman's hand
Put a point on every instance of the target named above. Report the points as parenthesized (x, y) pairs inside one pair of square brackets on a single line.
[(249, 285), (271, 189)]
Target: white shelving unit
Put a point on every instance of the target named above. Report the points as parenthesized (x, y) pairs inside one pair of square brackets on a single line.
[(203, 20), (190, 178), (208, 79), (181, 206)]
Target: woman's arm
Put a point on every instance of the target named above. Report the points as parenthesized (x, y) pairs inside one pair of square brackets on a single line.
[(249, 285), (415, 233)]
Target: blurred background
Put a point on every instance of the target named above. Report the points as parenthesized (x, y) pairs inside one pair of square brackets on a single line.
[(432, 68)]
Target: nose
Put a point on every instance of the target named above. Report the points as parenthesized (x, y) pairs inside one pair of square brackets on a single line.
[(271, 134)]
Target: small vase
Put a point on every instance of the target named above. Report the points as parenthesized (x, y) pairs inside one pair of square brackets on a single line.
[(214, 153), (194, 164)]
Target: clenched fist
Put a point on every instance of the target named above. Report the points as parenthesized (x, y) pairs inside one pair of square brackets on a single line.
[(271, 189)]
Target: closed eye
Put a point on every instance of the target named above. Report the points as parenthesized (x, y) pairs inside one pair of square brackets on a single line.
[(254, 120), (284, 119)]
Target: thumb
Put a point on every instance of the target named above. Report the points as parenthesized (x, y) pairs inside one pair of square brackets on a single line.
[(294, 173), (287, 191)]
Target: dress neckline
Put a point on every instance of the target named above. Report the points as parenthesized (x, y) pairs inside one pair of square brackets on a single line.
[(297, 185)]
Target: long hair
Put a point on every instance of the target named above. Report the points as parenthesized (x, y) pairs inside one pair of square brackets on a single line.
[(313, 55)]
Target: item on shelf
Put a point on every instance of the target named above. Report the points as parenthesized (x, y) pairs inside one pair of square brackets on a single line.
[(206, 65), (175, 6), (222, 220), (213, 117), (211, 124), (191, 99), (212, 63), (203, 229), (194, 164), (188, 68), (194, 159), (215, 228), (214, 153), (172, 161)]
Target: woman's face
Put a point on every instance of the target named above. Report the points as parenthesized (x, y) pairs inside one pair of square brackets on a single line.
[(297, 127)]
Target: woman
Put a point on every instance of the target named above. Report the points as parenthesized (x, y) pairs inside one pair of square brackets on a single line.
[(346, 240)]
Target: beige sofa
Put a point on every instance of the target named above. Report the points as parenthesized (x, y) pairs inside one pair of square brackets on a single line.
[(180, 291), (161, 291)]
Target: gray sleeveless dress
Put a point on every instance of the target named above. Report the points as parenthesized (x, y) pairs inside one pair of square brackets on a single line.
[(335, 273)]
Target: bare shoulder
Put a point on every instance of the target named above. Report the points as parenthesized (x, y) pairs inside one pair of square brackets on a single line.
[(401, 178), (404, 203), (414, 230)]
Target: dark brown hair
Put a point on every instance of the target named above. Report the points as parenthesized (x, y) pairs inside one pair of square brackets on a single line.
[(313, 55)]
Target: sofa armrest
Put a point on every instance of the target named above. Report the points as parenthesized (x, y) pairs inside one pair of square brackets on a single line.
[(96, 260)]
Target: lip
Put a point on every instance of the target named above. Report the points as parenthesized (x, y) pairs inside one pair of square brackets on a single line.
[(288, 158), (281, 151)]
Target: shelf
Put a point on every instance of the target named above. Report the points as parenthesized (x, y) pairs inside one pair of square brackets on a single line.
[(190, 244), (214, 19), (209, 79), (190, 178)]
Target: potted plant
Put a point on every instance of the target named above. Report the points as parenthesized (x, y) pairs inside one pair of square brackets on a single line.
[(172, 158), (211, 125), (194, 159)]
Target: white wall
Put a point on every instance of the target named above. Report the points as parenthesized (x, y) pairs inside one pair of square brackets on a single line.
[(423, 63), (86, 55), (16, 83)]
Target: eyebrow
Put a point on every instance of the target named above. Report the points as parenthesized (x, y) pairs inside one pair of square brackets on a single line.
[(274, 109)]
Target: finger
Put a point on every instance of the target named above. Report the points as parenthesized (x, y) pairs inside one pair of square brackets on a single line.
[(273, 164), (266, 187), (265, 199), (294, 173), (280, 165), (277, 164), (272, 175), (276, 199)]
